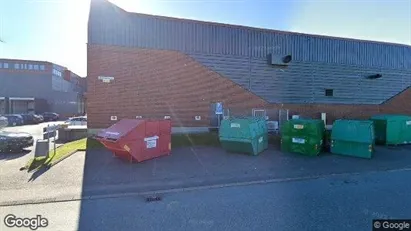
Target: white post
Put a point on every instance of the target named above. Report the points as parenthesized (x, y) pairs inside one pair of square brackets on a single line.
[(324, 118)]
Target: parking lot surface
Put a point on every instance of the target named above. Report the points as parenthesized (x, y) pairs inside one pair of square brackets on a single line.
[(97, 172), (331, 203), (11, 162)]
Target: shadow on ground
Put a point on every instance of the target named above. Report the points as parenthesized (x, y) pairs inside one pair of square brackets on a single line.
[(38, 171), (13, 155), (202, 166)]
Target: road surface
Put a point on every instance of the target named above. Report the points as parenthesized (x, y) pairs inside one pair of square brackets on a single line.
[(330, 203), (12, 161)]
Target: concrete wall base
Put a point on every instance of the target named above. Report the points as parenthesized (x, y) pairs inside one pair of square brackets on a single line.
[(174, 130), (67, 134)]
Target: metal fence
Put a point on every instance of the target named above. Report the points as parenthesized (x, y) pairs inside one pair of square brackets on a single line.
[(275, 117)]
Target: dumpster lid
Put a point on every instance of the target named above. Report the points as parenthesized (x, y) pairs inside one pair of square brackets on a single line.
[(119, 129)]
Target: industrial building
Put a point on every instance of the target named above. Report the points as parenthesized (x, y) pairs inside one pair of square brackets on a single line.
[(153, 66), (28, 86)]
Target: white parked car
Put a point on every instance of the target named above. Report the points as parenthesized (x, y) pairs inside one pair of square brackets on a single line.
[(77, 121), (3, 121)]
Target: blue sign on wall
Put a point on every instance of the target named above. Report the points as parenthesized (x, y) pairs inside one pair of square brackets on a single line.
[(219, 108)]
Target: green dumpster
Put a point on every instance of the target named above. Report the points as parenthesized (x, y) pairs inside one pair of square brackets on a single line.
[(302, 136), (392, 129), (353, 138), (245, 135)]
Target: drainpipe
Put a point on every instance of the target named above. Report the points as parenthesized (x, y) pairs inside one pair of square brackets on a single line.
[(249, 60)]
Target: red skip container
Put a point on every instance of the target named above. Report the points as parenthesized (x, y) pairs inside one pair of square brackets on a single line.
[(137, 140)]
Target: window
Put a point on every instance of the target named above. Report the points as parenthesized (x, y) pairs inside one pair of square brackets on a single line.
[(1, 65), (329, 92), (25, 66), (5, 65), (36, 67), (42, 67), (30, 66), (16, 66), (56, 72)]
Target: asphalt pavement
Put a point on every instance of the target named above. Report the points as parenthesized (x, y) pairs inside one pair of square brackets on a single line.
[(203, 188), (98, 173), (11, 162), (347, 202)]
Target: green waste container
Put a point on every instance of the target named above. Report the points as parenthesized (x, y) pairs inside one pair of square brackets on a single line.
[(245, 135), (392, 129), (302, 136), (353, 138)]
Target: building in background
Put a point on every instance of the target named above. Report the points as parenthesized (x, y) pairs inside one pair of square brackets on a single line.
[(154, 66), (35, 87)]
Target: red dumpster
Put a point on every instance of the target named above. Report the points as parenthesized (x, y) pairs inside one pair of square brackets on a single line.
[(137, 140)]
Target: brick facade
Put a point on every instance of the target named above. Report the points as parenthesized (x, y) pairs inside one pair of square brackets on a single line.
[(155, 83), (400, 104)]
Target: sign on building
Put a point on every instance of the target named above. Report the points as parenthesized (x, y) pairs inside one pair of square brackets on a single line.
[(106, 79), (219, 108)]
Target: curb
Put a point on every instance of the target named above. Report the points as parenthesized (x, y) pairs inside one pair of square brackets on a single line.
[(183, 189), (58, 161)]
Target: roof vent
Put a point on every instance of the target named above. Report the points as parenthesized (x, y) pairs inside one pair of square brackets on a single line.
[(279, 60), (376, 76), (287, 59)]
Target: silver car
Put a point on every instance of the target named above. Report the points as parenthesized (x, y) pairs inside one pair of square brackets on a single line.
[(77, 121)]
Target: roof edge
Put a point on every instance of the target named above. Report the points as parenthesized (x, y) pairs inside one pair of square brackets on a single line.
[(37, 61), (254, 28)]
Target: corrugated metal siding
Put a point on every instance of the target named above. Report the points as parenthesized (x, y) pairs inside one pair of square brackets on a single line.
[(240, 54), (232, 67), (306, 83), (65, 103), (407, 58), (36, 85), (110, 26), (281, 85)]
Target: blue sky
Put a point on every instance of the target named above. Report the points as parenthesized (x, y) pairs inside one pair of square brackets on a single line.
[(56, 30)]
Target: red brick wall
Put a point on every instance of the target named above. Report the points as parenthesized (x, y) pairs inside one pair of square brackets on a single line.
[(400, 104), (66, 75), (154, 83)]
